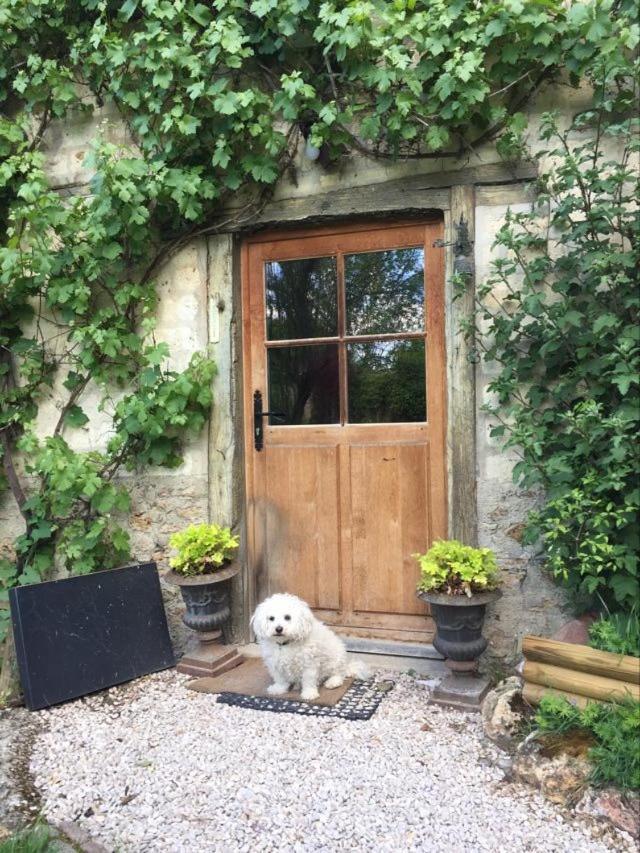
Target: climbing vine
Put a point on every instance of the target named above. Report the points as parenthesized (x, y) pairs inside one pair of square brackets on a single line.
[(215, 98), (560, 316)]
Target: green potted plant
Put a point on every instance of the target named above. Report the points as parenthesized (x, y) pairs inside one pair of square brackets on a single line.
[(458, 582), (203, 562)]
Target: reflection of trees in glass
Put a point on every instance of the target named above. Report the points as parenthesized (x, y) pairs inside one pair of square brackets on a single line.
[(303, 384), (301, 299), (385, 291), (387, 382)]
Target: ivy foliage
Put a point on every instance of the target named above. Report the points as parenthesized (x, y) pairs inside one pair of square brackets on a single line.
[(214, 97), (560, 317)]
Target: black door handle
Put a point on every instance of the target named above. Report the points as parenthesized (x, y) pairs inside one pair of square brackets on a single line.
[(258, 415)]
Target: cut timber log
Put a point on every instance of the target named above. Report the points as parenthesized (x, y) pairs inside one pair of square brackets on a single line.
[(582, 683), (533, 693), (582, 658)]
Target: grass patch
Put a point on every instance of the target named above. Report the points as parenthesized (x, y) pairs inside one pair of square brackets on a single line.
[(614, 730), (618, 633), (34, 839)]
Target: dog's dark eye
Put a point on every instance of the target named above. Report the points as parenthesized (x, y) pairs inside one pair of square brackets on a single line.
[(287, 618), (272, 618)]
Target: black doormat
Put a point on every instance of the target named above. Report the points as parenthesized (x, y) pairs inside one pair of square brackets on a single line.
[(360, 702)]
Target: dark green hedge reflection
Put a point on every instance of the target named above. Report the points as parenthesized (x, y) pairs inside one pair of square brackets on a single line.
[(387, 382), (303, 384)]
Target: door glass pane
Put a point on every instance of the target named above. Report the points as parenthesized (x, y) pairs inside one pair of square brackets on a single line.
[(301, 299), (385, 291), (303, 384), (387, 382)]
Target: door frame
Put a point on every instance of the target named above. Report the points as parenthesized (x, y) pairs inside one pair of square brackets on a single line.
[(451, 195), (460, 374)]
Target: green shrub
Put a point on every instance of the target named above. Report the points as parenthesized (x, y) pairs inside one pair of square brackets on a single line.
[(202, 548), (33, 839), (615, 729), (618, 633), (559, 315), (457, 569)]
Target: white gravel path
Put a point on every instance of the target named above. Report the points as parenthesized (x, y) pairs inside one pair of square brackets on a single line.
[(155, 767)]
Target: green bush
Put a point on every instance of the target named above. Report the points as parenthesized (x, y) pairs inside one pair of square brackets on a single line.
[(618, 633), (456, 569), (615, 729), (560, 316), (202, 548)]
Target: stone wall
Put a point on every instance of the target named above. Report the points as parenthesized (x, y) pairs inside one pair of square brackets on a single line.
[(531, 602), (198, 309)]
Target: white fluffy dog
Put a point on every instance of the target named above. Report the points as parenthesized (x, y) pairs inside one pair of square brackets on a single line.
[(298, 649)]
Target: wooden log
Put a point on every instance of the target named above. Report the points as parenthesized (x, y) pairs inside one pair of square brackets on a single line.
[(533, 693), (582, 658), (582, 683)]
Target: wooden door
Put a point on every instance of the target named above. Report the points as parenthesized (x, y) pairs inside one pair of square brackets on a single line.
[(344, 338)]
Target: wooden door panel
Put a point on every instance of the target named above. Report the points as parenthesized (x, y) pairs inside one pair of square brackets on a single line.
[(390, 522), (337, 506), (302, 524)]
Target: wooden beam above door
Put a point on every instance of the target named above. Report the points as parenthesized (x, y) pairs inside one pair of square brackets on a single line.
[(415, 194)]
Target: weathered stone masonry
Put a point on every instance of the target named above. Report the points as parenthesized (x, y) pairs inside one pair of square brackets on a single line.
[(199, 309)]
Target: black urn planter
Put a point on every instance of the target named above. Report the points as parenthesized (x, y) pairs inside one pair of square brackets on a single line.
[(206, 598), (459, 620)]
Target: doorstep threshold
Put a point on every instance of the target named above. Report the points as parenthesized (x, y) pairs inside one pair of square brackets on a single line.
[(427, 664), (424, 651)]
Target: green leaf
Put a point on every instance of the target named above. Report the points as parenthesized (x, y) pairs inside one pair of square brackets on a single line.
[(29, 576), (111, 251), (75, 417), (200, 14), (156, 355), (127, 9)]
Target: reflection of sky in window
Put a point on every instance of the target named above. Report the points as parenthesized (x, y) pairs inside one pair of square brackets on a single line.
[(379, 352), (273, 274), (385, 291), (301, 298)]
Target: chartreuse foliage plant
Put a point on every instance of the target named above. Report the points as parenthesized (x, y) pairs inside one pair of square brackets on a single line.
[(615, 729), (214, 97), (202, 548), (456, 569), (559, 315)]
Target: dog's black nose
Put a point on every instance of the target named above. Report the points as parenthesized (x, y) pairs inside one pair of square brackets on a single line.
[(279, 629)]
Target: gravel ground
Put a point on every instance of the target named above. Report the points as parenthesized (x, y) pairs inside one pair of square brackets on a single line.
[(155, 767), (19, 801)]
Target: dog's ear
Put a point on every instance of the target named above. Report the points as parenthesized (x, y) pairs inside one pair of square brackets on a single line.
[(305, 621)]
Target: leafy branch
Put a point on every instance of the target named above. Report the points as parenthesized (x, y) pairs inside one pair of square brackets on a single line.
[(566, 339)]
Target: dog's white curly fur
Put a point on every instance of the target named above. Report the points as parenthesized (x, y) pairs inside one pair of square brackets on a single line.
[(298, 649)]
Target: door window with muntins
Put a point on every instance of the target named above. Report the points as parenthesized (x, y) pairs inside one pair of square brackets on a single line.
[(345, 338)]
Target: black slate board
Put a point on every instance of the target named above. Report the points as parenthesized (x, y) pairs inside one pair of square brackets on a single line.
[(85, 633)]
